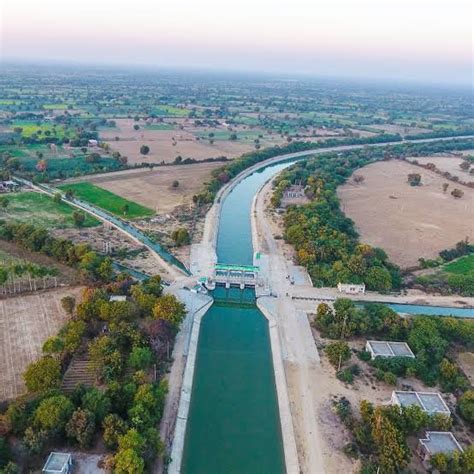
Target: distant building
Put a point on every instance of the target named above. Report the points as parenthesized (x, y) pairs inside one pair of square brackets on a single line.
[(429, 402), (437, 442), (388, 349), (294, 191), (351, 288), (118, 298), (58, 463), (8, 186), (92, 143)]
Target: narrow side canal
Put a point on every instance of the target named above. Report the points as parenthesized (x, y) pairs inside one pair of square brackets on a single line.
[(234, 423)]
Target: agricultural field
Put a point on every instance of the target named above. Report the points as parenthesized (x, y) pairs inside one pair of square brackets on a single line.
[(154, 188), (408, 222), (25, 323), (41, 210), (450, 164), (107, 200)]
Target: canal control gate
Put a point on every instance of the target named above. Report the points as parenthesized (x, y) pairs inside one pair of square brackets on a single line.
[(230, 275)]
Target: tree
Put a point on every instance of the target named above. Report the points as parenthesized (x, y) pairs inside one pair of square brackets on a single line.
[(168, 307), (135, 127), (41, 166), (43, 374), (93, 158), (97, 403), (79, 218), (466, 406), (390, 443), (53, 345), (53, 413), (378, 279), (465, 165), (34, 440), (68, 303), (140, 358), (128, 461), (414, 179), (338, 352), (358, 178), (457, 193), (181, 236), (4, 201), (144, 149), (445, 187), (113, 427), (175, 183), (125, 209), (81, 427)]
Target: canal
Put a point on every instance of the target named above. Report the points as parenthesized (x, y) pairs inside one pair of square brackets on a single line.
[(234, 423)]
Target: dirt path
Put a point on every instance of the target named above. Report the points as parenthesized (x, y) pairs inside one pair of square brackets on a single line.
[(302, 365)]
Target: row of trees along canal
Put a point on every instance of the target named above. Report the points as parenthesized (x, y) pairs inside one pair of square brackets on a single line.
[(325, 240)]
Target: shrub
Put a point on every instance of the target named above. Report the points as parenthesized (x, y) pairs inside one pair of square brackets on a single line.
[(113, 427), (140, 358), (97, 403)]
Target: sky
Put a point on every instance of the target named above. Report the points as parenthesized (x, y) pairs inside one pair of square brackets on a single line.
[(413, 40)]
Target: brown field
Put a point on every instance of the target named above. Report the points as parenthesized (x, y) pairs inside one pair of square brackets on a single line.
[(161, 144), (25, 323), (402, 130), (407, 222), (153, 188), (448, 163)]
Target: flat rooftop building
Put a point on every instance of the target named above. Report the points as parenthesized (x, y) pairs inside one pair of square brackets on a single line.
[(437, 442), (58, 463), (429, 402), (388, 349)]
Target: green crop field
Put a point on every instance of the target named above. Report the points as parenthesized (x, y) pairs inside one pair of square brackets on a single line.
[(61, 106), (461, 266), (29, 128), (171, 111), (160, 126), (41, 210), (108, 201)]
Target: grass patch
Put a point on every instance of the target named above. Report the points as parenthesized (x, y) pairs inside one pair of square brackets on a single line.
[(462, 266), (41, 210), (61, 106), (108, 201)]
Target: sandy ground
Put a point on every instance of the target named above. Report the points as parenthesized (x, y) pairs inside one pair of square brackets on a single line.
[(166, 145), (25, 323), (466, 361), (417, 221), (153, 188), (448, 163)]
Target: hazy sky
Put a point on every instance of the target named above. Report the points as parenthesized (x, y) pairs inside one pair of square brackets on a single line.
[(428, 40)]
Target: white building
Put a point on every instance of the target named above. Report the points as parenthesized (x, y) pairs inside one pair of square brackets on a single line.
[(388, 349), (351, 288), (58, 463), (92, 143), (429, 402), (118, 298), (437, 442)]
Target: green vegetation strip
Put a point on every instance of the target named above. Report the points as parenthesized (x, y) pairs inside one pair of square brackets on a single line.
[(41, 210), (108, 201), (462, 266)]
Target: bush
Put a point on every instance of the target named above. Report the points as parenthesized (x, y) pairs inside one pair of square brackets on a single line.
[(466, 406), (345, 376), (390, 378), (97, 403), (140, 358)]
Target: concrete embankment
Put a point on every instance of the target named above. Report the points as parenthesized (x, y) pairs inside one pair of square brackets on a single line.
[(197, 305)]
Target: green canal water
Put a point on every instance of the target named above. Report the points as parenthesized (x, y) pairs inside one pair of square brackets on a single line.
[(234, 423)]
